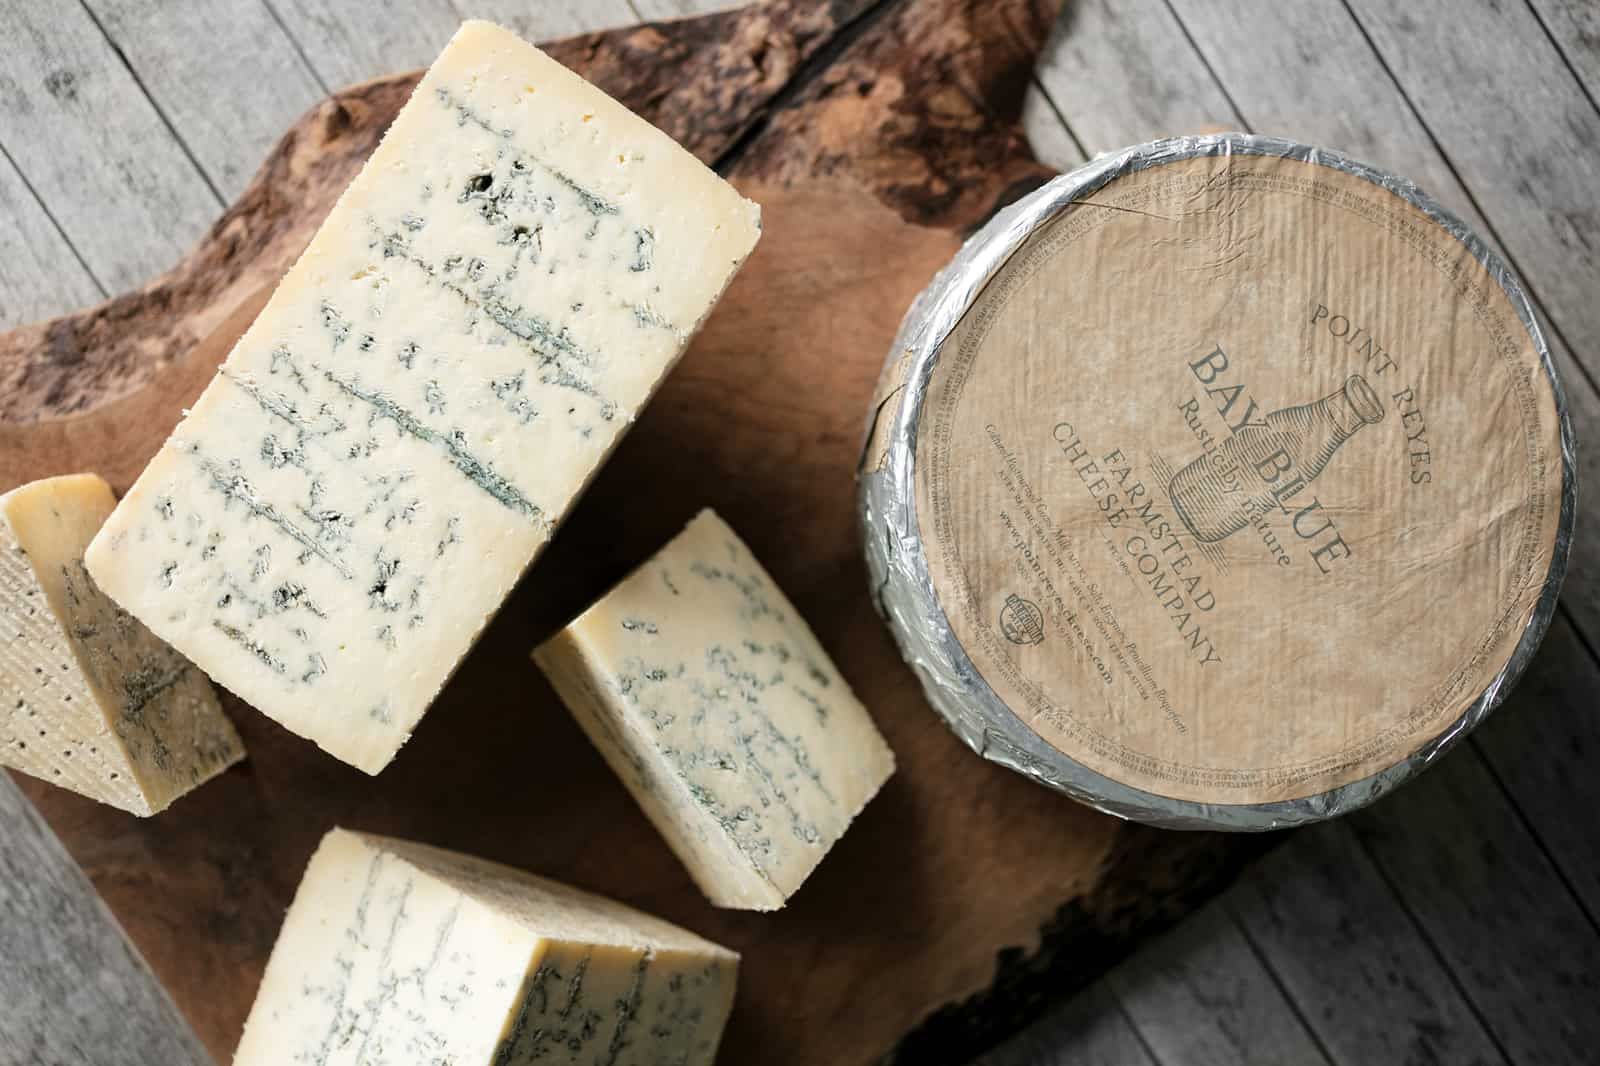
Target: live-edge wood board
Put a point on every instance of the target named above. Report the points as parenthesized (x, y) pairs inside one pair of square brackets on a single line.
[(876, 135)]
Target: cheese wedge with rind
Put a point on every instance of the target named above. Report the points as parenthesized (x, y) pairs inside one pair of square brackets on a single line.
[(712, 699), (90, 699)]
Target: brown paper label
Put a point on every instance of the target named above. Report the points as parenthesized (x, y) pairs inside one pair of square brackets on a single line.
[(1241, 481)]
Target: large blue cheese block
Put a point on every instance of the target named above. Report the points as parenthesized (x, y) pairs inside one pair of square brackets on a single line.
[(469, 334)]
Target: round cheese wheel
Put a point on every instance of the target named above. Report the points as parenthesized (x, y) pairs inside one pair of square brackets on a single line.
[(1222, 482)]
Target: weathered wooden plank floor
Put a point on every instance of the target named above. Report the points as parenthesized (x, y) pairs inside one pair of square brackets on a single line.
[(1458, 921)]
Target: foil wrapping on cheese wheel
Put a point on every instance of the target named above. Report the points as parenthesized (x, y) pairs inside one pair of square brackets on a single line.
[(1224, 482)]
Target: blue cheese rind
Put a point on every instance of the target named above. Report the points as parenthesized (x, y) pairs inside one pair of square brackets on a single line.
[(396, 437), (716, 705), (399, 952), (90, 699)]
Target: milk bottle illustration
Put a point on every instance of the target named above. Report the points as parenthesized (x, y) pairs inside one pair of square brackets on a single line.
[(1224, 490)]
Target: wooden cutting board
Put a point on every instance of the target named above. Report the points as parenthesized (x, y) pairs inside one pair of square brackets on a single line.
[(875, 135)]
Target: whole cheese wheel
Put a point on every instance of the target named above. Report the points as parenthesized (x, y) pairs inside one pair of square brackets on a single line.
[(1223, 482)]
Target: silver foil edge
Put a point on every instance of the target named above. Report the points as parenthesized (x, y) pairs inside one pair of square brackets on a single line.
[(903, 590)]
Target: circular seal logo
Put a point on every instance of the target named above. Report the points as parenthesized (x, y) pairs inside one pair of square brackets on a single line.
[(1021, 621)]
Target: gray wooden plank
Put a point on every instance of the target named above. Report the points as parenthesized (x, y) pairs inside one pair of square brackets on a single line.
[(1351, 959), (1311, 74), (39, 273), (72, 989), (1052, 140), (93, 147), (1199, 996), (1305, 56), (224, 73), (1122, 71), (550, 19), (1091, 1030), (348, 41), (1575, 25), (1544, 745), (1484, 894), (1517, 128)]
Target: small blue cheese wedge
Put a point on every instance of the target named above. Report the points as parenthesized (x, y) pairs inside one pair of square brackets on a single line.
[(401, 953), (483, 314), (711, 698), (90, 699)]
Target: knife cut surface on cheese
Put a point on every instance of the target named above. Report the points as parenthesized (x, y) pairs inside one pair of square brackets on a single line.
[(396, 952), (711, 698), (486, 309), (90, 699)]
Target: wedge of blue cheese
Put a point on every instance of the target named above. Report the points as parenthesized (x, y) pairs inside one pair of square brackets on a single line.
[(90, 699), (711, 698), (483, 314), (395, 952)]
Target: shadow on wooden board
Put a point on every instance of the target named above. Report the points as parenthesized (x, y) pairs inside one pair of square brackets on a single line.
[(875, 135)]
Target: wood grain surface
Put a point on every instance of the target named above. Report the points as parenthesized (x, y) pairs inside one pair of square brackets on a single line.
[(225, 134), (1300, 908), (134, 173), (71, 989), (1092, 1030), (875, 135), (1206, 999)]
